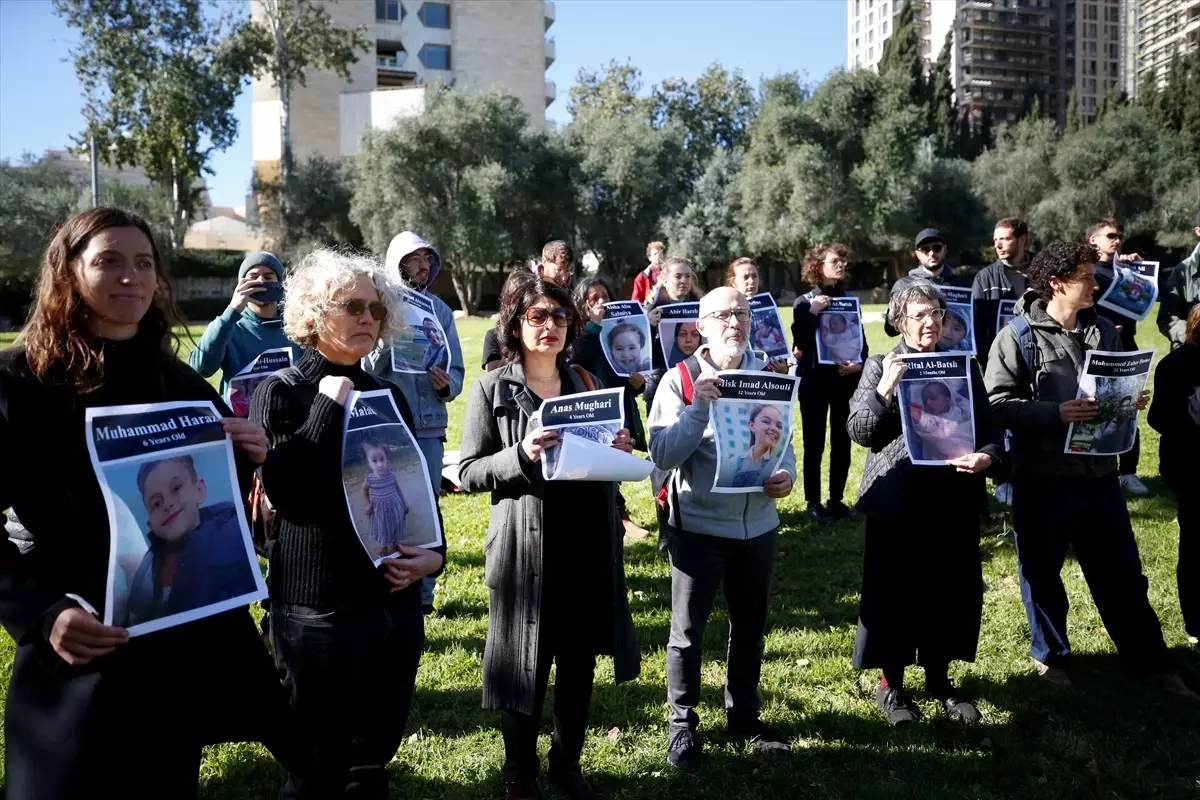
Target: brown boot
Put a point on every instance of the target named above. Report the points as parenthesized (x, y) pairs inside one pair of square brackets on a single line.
[(631, 528)]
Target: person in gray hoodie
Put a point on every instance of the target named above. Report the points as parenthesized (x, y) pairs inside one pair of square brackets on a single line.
[(251, 325), (412, 264), (715, 539)]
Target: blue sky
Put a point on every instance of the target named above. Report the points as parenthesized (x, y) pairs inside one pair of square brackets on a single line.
[(39, 95)]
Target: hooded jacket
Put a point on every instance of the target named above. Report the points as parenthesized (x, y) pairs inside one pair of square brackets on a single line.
[(233, 340), (1025, 399), (1183, 292), (428, 405), (682, 440)]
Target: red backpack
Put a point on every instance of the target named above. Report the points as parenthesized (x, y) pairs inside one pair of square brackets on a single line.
[(689, 370)]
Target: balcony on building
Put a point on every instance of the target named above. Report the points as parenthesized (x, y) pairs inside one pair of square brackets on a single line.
[(548, 13), (391, 65), (551, 92), (381, 109), (551, 51)]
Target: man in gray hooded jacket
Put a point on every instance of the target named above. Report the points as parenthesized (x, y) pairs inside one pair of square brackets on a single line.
[(412, 265), (715, 539)]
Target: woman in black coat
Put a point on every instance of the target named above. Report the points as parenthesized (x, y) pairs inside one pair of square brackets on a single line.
[(676, 284), (922, 594), (554, 565), (91, 712), (825, 389), (1175, 413), (347, 635)]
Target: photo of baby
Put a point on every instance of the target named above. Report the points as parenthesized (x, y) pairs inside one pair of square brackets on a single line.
[(241, 392), (957, 335), (941, 424), (626, 344), (766, 334), (188, 548), (684, 337), (840, 338)]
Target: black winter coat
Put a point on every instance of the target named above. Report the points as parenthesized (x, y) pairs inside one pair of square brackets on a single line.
[(804, 340)]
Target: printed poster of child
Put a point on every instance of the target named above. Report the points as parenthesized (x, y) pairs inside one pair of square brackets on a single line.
[(420, 343), (766, 328), (594, 416), (958, 328), (752, 426), (1004, 313), (936, 411), (1115, 380), (1133, 290), (242, 385), (180, 546), (625, 337), (840, 332), (678, 335), (387, 487)]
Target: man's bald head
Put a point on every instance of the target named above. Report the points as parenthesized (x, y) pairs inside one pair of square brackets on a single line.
[(728, 337), (722, 298)]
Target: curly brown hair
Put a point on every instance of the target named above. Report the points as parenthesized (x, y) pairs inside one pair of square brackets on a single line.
[(1058, 260), (522, 289), (59, 345), (811, 272)]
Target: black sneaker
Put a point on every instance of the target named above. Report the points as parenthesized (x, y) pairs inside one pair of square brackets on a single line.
[(762, 737), (817, 512), (897, 706), (837, 510), (684, 749)]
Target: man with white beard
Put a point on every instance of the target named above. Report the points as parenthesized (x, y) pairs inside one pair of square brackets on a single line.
[(714, 539)]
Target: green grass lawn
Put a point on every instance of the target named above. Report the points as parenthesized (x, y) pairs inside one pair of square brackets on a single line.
[(1110, 738)]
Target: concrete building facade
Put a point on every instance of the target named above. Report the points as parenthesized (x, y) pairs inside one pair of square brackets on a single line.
[(1158, 31), (469, 44)]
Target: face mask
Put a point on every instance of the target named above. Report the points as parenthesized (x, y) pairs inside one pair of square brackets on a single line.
[(269, 293)]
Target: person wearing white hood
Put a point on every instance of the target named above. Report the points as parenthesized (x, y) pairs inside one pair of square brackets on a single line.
[(412, 265)]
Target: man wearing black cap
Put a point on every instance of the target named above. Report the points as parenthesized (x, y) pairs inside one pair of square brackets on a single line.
[(1182, 292), (251, 325), (931, 255)]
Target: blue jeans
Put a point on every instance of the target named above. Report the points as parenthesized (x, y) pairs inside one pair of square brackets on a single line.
[(350, 672), (433, 450), (1051, 515)]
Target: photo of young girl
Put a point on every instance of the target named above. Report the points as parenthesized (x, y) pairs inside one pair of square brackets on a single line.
[(627, 348), (384, 499), (942, 426), (840, 338), (752, 468)]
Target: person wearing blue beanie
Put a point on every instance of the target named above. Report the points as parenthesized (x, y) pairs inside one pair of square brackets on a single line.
[(252, 324)]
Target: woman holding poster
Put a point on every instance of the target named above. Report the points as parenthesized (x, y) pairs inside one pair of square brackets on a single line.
[(347, 635), (85, 696), (676, 284), (826, 388), (922, 594), (554, 554)]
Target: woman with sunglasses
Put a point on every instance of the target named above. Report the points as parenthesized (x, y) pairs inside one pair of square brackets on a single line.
[(554, 565), (347, 636)]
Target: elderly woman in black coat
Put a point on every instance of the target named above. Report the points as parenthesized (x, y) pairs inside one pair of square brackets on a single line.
[(922, 594), (554, 549)]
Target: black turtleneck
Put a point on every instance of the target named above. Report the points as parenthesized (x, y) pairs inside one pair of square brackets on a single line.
[(316, 558), (804, 339)]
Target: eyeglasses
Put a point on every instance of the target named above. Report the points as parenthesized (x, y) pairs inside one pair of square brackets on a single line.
[(740, 314), (1113, 235), (357, 307), (537, 317), (936, 314), (936, 247), (418, 258)]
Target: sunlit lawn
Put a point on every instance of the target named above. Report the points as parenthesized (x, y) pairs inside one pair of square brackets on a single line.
[(1111, 738)]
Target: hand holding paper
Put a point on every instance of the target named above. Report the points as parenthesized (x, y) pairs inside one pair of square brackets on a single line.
[(707, 388), (1081, 410), (778, 485), (819, 304), (623, 442), (248, 437), (537, 441), (1143, 400), (78, 637), (973, 463)]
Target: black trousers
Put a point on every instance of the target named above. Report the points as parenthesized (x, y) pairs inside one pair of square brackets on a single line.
[(700, 566), (1127, 462), (350, 672), (819, 401), (1187, 572)]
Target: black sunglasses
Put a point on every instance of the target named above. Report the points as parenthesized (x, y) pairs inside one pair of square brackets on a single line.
[(1111, 235), (357, 307), (936, 247)]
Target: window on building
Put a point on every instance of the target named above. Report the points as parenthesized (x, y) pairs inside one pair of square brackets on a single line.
[(871, 35), (885, 27), (871, 53), (389, 11), (435, 15), (435, 56), (870, 19), (1090, 12), (857, 25)]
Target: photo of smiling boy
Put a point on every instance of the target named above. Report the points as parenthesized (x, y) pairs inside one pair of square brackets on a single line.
[(197, 554)]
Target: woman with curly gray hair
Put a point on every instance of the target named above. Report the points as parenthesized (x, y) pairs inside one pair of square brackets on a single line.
[(922, 592), (347, 636)]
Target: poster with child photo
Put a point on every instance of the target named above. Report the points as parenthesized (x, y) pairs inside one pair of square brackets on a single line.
[(420, 343), (1005, 312), (936, 411), (179, 548), (766, 328), (958, 326), (625, 337), (840, 332), (678, 334), (1114, 380), (751, 424), (1133, 290), (387, 486), (587, 424), (242, 386)]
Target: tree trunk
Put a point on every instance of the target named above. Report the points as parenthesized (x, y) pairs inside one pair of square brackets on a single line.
[(467, 287)]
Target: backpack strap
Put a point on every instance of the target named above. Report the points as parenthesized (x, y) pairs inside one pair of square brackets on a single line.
[(689, 370), (1026, 344)]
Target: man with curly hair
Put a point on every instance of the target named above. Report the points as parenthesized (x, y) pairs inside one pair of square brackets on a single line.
[(1062, 500)]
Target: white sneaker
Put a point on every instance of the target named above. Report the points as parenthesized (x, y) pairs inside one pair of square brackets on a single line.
[(1131, 484), (1004, 494)]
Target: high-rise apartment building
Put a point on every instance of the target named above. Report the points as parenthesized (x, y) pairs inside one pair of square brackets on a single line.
[(1158, 31), (869, 23), (468, 44)]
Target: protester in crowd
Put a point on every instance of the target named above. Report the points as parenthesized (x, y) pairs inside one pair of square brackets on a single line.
[(1106, 235), (99, 334), (554, 556), (647, 279), (556, 266), (714, 539), (1175, 414), (1180, 295), (1003, 279), (250, 325), (412, 265), (347, 635), (742, 275), (676, 284), (1062, 500), (922, 593), (590, 296), (931, 255), (825, 389)]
